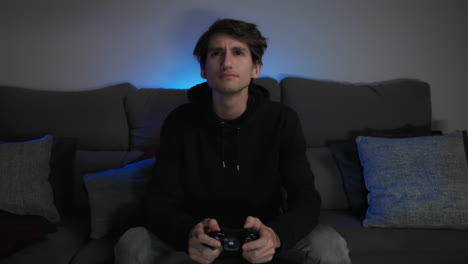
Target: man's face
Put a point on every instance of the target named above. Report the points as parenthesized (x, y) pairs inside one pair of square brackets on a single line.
[(229, 66)]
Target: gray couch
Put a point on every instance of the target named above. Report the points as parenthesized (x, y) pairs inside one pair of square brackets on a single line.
[(116, 125)]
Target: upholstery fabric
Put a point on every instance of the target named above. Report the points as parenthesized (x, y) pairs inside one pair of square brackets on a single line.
[(100, 250), (116, 197), (57, 247), (347, 159), (272, 86), (330, 111), (18, 231), (367, 245), (419, 182), (61, 173), (24, 174), (148, 107), (96, 118), (397, 245), (327, 178), (146, 113), (87, 162)]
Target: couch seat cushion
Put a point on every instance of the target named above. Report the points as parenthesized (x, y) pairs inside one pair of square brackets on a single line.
[(397, 245), (55, 248), (99, 250)]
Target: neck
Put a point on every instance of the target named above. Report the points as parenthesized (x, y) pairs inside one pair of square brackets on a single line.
[(230, 106)]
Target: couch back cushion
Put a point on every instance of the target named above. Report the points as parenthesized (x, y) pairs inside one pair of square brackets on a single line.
[(95, 118), (272, 86), (147, 109), (333, 111)]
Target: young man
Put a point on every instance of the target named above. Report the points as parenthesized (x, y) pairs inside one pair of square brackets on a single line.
[(231, 158)]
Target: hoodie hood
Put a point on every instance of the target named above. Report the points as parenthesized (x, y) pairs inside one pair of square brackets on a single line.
[(201, 95)]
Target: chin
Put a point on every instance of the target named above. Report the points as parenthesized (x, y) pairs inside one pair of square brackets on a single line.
[(230, 91), (227, 89)]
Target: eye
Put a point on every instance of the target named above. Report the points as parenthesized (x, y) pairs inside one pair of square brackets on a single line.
[(216, 53), (238, 52)]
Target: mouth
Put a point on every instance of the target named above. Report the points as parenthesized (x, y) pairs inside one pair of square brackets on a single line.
[(228, 76)]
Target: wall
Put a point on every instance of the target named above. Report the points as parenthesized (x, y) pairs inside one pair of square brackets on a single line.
[(87, 44)]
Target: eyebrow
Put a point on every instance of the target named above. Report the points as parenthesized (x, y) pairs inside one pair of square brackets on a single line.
[(221, 49)]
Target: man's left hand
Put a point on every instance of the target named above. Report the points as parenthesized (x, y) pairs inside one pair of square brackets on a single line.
[(262, 249)]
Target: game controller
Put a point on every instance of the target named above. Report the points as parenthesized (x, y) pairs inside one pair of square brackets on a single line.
[(233, 239)]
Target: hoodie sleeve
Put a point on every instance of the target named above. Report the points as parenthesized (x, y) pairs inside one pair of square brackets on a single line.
[(165, 196), (303, 200)]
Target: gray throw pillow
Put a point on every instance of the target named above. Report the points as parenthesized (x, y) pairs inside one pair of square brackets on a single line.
[(347, 160), (24, 178), (115, 197), (419, 182)]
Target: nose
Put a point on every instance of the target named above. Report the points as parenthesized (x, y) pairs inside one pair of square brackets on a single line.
[(227, 61)]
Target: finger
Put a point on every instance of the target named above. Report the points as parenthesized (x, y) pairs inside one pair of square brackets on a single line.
[(197, 251), (197, 230), (198, 237), (210, 224), (206, 240), (255, 244), (213, 225), (252, 222), (206, 222), (265, 237)]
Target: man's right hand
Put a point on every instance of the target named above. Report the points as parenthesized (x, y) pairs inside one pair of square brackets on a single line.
[(198, 239)]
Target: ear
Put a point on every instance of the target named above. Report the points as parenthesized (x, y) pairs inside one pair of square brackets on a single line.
[(256, 69), (202, 72)]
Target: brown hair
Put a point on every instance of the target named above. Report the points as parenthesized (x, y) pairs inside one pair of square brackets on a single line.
[(240, 30)]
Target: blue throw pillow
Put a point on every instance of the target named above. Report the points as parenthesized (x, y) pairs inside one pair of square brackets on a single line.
[(419, 182), (115, 197)]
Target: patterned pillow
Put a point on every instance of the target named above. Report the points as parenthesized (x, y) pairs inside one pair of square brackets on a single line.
[(347, 160), (24, 174), (419, 182)]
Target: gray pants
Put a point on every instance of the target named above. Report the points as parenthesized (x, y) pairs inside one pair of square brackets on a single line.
[(322, 246)]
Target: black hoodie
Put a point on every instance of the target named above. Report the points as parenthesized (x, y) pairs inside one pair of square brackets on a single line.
[(230, 169)]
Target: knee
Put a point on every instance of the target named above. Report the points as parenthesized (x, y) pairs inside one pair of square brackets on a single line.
[(134, 246), (325, 245)]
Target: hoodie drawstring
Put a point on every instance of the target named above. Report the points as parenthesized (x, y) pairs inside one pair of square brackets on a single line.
[(222, 144), (235, 148)]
